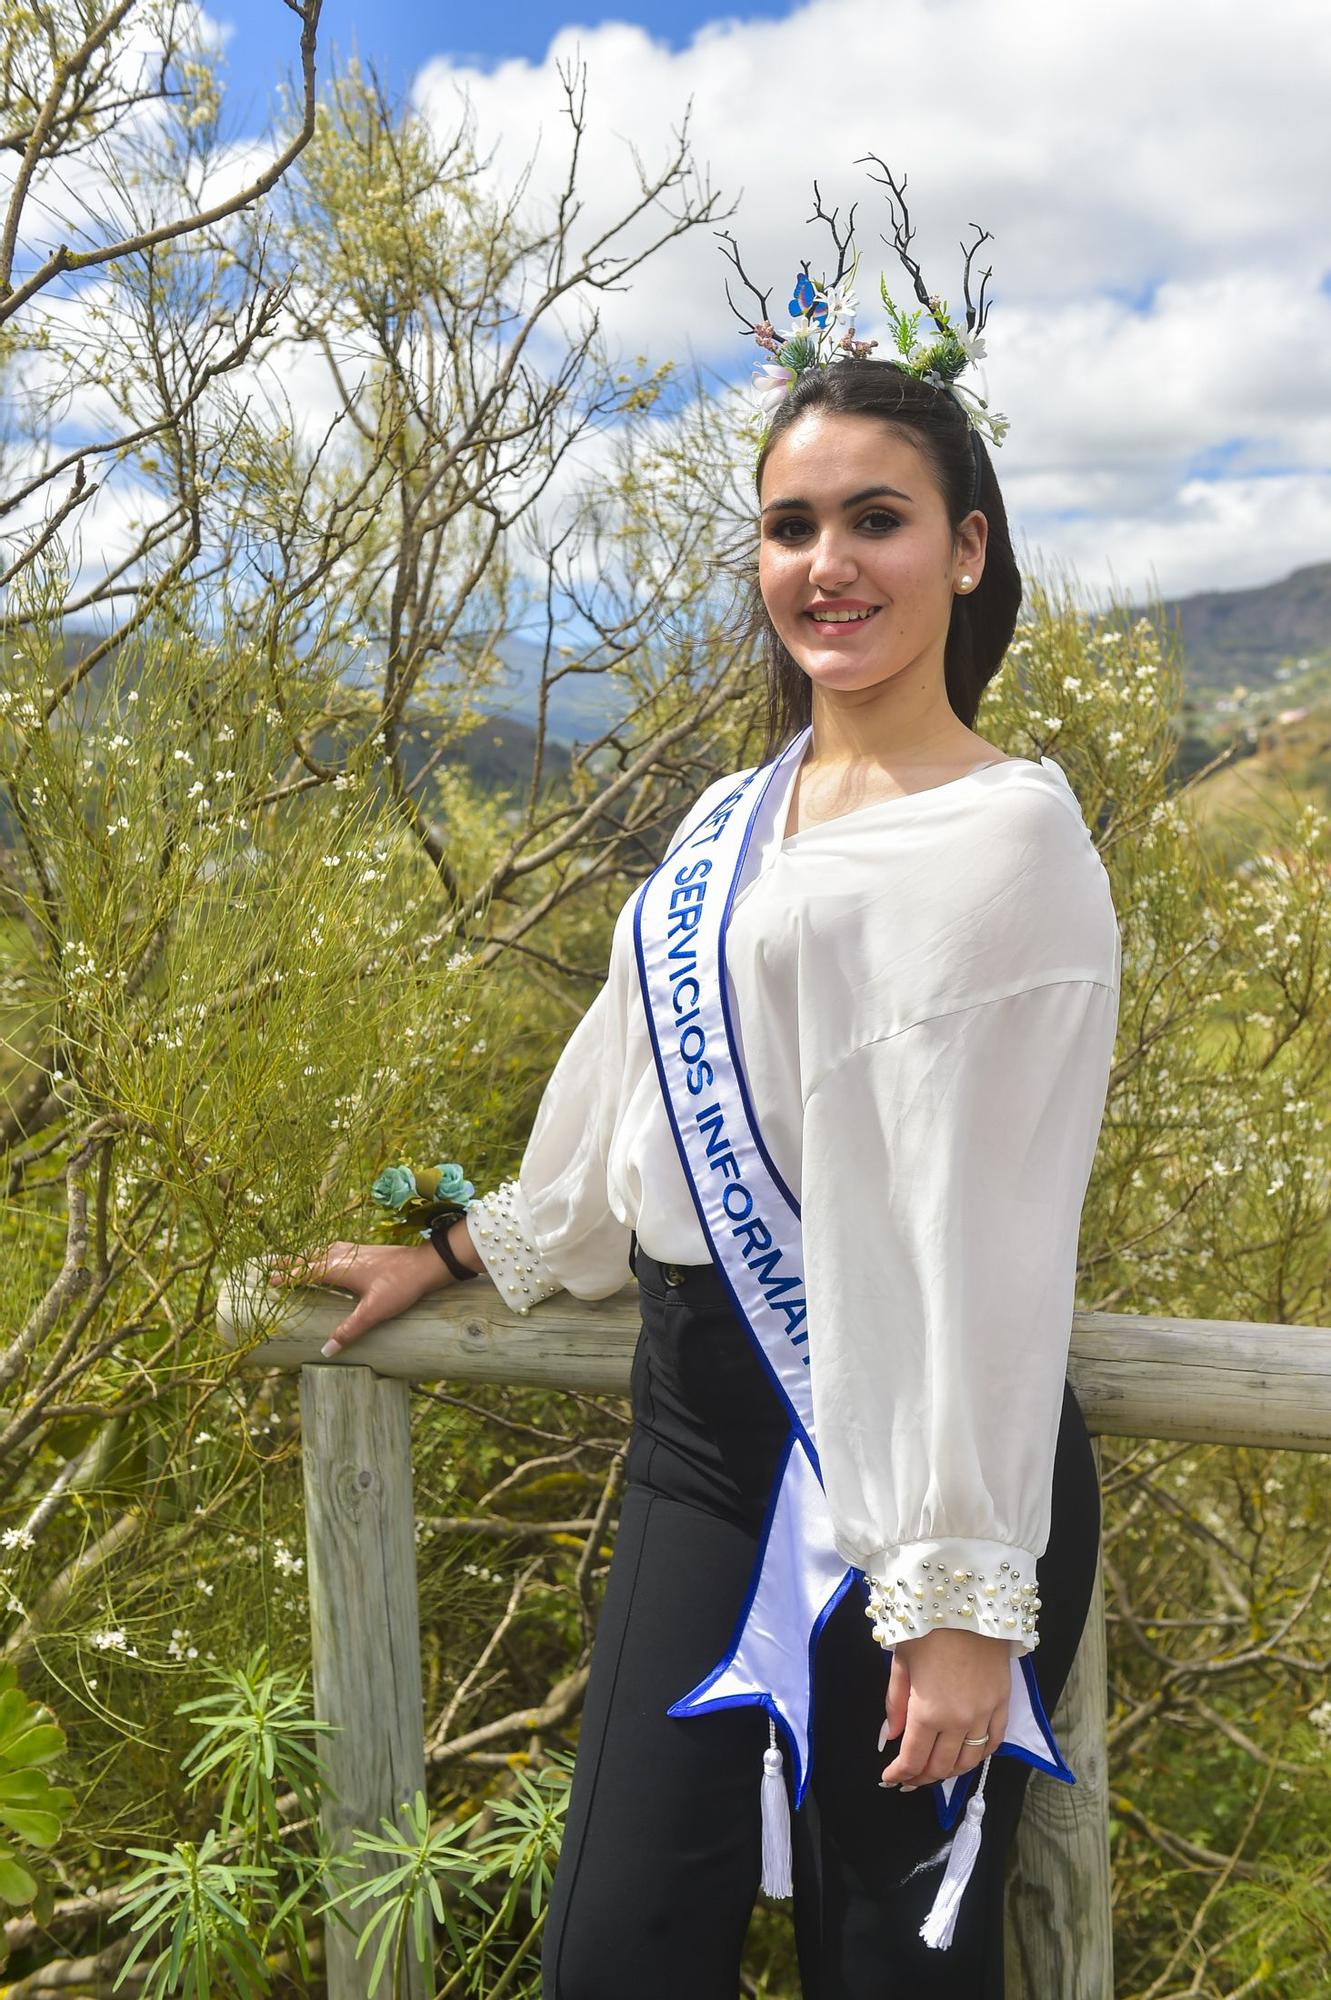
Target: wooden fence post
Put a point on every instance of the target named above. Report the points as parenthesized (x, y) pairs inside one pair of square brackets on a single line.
[(360, 1544), (1060, 1938)]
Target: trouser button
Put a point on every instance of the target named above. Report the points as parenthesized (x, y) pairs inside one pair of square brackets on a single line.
[(672, 1273)]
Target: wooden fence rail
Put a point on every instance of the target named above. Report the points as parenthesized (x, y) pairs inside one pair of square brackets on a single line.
[(1207, 1381)]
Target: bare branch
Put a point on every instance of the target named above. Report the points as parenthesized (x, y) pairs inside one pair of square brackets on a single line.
[(65, 259)]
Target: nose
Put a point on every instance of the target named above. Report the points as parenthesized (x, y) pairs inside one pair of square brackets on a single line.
[(831, 561)]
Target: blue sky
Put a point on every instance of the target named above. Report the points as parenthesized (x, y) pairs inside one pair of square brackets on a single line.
[(402, 35)]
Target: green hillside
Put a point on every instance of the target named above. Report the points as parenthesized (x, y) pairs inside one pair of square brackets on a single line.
[(1245, 638)]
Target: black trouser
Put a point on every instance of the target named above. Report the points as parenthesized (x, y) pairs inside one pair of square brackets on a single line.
[(662, 1849)]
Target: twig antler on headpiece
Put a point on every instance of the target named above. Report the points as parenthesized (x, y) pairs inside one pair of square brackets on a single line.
[(976, 316), (845, 265), (901, 231), (845, 262), (762, 297), (901, 240)]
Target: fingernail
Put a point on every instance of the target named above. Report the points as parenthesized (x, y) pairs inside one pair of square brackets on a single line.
[(883, 1735), (910, 1788), (330, 1347), (887, 1784)]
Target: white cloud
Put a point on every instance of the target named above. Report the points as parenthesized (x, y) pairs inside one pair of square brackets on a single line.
[(1108, 150), (1227, 534)]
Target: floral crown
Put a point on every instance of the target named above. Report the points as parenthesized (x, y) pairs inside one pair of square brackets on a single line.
[(822, 329)]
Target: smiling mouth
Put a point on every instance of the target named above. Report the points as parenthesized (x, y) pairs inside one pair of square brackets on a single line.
[(845, 622)]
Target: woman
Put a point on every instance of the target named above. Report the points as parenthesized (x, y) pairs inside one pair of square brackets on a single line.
[(923, 966)]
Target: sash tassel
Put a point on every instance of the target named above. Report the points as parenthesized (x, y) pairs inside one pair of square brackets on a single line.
[(777, 1878), (961, 1854)]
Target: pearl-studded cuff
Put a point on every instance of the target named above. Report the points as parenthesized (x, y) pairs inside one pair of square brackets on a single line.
[(498, 1227), (974, 1586)]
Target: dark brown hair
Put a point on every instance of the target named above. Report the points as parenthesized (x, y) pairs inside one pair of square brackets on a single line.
[(983, 620)]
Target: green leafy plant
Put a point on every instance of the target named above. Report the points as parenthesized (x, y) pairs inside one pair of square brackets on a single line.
[(207, 1904), (32, 1809), (211, 1918), (255, 1727), (446, 1868)]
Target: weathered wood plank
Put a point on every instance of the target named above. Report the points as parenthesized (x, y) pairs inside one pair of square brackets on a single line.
[(468, 1334), (1211, 1381), (365, 1631)]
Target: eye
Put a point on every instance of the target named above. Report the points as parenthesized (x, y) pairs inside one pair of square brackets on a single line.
[(875, 514)]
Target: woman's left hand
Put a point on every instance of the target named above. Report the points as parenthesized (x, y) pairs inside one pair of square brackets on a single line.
[(945, 1685)]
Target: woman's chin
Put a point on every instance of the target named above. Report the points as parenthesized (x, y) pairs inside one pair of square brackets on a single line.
[(840, 669)]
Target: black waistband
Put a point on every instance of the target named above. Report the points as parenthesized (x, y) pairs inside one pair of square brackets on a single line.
[(697, 1284)]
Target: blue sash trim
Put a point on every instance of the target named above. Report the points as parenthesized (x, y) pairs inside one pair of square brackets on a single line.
[(795, 750), (951, 1808), (697, 1702), (695, 1706), (722, 811)]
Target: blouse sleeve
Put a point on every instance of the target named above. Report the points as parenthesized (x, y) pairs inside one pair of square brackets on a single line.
[(943, 1174), (553, 1228)]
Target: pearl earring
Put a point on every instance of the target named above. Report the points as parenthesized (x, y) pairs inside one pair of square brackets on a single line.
[(966, 582)]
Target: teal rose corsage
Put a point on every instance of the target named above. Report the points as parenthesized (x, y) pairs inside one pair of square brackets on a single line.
[(414, 1199)]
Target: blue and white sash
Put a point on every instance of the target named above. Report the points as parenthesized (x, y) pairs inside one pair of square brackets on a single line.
[(751, 1221)]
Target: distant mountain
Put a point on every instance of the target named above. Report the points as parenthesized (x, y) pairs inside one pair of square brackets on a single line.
[(580, 707), (1241, 638), (497, 753)]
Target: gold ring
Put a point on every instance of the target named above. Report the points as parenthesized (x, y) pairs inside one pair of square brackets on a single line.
[(976, 1739)]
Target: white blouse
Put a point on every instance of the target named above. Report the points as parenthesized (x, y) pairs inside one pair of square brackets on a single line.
[(926, 995)]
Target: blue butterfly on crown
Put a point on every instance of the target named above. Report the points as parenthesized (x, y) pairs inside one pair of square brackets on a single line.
[(822, 328)]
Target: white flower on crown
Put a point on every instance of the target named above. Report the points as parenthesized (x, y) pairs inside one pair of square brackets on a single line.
[(971, 345), (842, 305), (770, 384), (977, 409)]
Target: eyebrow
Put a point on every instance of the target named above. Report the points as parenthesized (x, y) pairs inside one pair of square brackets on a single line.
[(853, 500)]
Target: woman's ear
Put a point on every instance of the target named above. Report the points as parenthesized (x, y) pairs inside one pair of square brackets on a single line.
[(972, 540)]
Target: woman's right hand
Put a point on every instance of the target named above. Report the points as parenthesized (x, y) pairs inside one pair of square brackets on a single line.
[(387, 1279)]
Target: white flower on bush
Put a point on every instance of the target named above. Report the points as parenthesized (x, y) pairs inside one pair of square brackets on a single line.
[(114, 1641)]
